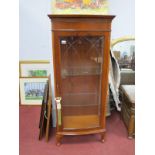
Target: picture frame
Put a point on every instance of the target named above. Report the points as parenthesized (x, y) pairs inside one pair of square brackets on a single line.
[(34, 68), (80, 7), (32, 90)]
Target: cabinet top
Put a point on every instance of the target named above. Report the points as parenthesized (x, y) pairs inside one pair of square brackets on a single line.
[(51, 16)]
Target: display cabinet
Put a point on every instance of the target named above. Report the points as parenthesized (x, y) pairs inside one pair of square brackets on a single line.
[(81, 63)]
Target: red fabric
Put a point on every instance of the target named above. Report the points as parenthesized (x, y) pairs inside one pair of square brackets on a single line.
[(116, 142)]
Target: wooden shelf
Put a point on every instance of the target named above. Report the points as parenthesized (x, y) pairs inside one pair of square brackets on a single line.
[(80, 122)]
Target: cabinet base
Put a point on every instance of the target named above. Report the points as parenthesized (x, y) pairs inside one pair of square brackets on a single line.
[(59, 135)]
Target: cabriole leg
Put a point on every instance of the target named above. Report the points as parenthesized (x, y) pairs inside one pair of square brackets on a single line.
[(58, 140), (102, 137)]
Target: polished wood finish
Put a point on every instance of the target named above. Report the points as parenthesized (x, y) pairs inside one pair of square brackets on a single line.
[(128, 108), (49, 110), (43, 119), (45, 122), (80, 122), (81, 65)]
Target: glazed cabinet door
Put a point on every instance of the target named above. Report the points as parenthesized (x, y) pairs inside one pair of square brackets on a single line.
[(81, 74)]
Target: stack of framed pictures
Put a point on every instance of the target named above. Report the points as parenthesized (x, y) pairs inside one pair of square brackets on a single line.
[(33, 78)]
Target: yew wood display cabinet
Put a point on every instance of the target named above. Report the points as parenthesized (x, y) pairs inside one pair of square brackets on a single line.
[(81, 64)]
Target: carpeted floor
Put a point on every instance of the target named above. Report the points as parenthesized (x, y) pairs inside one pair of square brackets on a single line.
[(116, 142)]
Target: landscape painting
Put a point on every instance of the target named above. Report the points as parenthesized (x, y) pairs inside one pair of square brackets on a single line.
[(34, 90), (34, 68), (80, 6), (34, 73)]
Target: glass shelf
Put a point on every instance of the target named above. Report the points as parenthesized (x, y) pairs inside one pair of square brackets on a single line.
[(80, 71), (80, 99)]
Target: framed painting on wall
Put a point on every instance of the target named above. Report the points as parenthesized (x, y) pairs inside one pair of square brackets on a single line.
[(32, 90), (80, 7), (34, 68)]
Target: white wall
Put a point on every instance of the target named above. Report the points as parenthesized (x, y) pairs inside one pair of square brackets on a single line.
[(124, 22), (35, 37)]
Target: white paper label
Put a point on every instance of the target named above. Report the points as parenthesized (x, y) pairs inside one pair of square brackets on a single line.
[(59, 106), (63, 41)]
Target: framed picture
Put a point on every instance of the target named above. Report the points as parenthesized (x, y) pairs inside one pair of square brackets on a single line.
[(80, 7), (32, 90), (34, 68)]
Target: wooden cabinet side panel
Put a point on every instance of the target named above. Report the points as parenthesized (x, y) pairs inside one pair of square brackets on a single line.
[(105, 73), (56, 64), (56, 68)]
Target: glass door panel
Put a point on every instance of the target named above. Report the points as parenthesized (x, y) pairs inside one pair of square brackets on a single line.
[(81, 72)]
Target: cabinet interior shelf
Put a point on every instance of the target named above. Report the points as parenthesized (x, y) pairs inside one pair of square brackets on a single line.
[(81, 122), (80, 99), (80, 105), (80, 71)]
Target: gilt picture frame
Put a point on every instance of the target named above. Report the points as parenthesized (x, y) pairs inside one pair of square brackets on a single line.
[(34, 68)]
